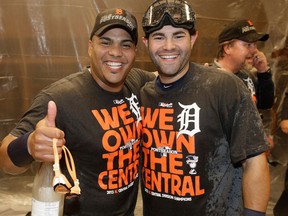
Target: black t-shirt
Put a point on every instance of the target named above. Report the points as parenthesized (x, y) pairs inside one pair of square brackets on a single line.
[(102, 132), (261, 87), (195, 135)]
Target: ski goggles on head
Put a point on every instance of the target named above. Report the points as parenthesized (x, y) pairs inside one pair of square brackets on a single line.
[(60, 182), (179, 12)]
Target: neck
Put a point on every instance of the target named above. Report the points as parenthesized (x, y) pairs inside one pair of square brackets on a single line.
[(167, 79), (226, 65)]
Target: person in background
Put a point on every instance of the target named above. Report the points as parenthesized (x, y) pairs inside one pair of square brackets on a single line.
[(203, 143), (278, 157), (238, 54), (279, 153), (96, 115), (281, 207)]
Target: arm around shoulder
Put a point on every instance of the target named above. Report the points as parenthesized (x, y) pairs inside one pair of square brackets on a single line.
[(145, 75)]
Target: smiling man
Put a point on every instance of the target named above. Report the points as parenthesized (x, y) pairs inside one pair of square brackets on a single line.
[(96, 114), (203, 142)]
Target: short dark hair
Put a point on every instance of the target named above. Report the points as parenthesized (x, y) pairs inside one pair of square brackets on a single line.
[(220, 49)]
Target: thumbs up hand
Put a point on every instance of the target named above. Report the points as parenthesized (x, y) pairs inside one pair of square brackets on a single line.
[(40, 141)]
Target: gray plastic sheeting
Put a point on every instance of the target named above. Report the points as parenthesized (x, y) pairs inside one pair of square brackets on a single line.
[(42, 41)]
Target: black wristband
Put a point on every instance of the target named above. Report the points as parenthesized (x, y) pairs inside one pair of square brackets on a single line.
[(18, 151), (250, 212), (265, 75)]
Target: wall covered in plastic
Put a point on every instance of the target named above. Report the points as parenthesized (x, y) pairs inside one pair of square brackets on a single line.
[(42, 41)]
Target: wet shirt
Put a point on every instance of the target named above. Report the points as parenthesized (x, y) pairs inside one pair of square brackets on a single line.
[(102, 132), (195, 135)]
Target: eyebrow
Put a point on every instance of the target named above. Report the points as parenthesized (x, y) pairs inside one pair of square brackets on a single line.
[(180, 32), (109, 39), (174, 33), (157, 34)]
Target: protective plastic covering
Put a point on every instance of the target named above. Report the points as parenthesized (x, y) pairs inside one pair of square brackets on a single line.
[(44, 40)]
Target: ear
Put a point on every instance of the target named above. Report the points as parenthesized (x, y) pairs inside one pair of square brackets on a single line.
[(193, 39), (145, 41), (90, 48), (226, 48)]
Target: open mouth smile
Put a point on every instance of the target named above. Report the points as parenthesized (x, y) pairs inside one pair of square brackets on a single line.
[(114, 65)]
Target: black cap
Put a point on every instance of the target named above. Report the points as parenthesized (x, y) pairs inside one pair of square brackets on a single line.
[(241, 30), (114, 18)]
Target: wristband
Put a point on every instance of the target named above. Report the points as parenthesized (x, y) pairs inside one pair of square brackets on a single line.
[(250, 212), (18, 151), (265, 75)]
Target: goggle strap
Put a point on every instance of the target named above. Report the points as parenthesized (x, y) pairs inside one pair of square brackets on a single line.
[(70, 164), (72, 171), (70, 167), (56, 167)]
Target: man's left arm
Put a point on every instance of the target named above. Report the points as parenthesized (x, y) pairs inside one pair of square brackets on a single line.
[(256, 184), (265, 85)]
